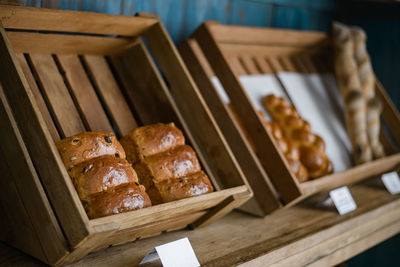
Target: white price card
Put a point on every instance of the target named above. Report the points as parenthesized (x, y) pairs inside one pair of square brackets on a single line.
[(343, 200), (391, 181), (178, 253)]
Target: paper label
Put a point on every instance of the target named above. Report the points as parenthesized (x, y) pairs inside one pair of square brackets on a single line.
[(317, 99), (343, 200), (178, 253), (391, 181)]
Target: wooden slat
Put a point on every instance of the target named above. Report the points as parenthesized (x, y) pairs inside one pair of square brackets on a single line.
[(193, 107), (352, 175), (300, 64), (390, 114), (40, 145), (84, 95), (236, 65), (264, 193), (249, 65), (266, 36), (17, 226), (263, 65), (39, 43), (52, 83), (288, 64), (309, 63), (231, 49), (38, 97), (110, 94), (90, 244), (148, 93), (21, 173), (275, 64), (270, 157), (140, 218), (73, 21), (303, 233), (144, 86)]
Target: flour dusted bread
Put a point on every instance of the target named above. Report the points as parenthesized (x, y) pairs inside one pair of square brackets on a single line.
[(101, 174), (125, 198), (88, 145), (105, 181), (150, 140), (167, 167), (176, 162)]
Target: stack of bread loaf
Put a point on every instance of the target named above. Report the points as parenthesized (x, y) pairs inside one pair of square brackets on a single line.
[(105, 181), (297, 133), (167, 167)]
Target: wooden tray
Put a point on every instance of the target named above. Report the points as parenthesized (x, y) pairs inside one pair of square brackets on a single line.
[(230, 51), (68, 72)]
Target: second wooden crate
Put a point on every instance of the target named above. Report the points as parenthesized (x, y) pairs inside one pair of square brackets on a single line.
[(230, 51)]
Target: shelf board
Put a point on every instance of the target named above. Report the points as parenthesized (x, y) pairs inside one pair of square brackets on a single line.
[(299, 235)]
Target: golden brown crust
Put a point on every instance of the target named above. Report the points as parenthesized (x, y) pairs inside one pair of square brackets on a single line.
[(311, 146), (167, 167), (178, 188), (121, 199), (88, 145), (101, 174), (174, 163), (149, 140)]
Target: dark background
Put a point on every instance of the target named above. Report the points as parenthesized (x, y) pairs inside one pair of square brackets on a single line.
[(380, 19)]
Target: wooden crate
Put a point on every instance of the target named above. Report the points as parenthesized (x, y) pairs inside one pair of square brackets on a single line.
[(229, 51), (65, 72)]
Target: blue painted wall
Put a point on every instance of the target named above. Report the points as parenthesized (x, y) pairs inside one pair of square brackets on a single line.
[(181, 17)]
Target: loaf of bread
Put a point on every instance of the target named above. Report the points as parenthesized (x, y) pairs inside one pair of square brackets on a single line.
[(167, 167), (311, 146), (347, 74), (105, 181), (101, 174), (150, 140), (88, 145), (131, 196)]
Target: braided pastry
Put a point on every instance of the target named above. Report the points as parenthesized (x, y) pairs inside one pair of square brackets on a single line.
[(348, 79), (367, 79), (311, 146), (288, 148)]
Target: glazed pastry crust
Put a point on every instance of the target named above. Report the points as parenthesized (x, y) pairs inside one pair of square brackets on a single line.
[(167, 167), (85, 146), (150, 140), (125, 198), (101, 174)]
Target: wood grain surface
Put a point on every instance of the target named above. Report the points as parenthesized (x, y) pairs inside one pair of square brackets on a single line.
[(300, 235)]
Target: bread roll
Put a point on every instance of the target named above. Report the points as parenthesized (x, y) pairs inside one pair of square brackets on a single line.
[(167, 167), (88, 145), (101, 174), (174, 163), (152, 139), (125, 198), (188, 186), (105, 181)]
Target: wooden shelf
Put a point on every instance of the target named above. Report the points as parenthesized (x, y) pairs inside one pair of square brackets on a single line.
[(299, 235)]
